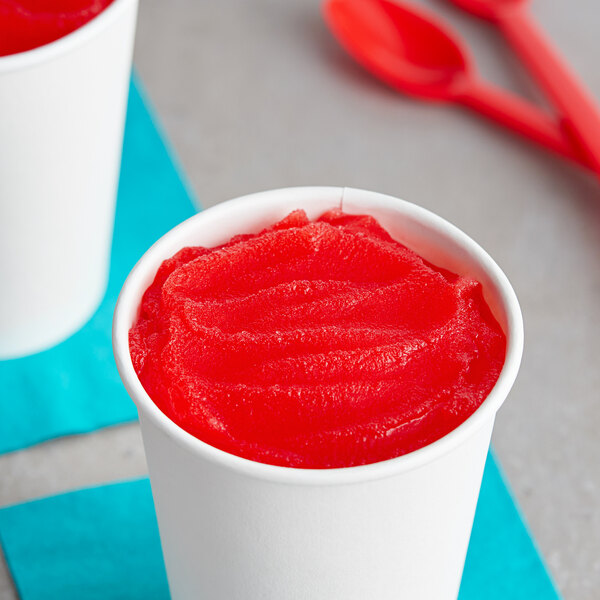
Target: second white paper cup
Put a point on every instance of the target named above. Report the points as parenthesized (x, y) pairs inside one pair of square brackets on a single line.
[(234, 529), (62, 112)]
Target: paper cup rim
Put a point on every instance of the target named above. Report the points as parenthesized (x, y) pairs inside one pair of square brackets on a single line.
[(145, 269), (66, 43)]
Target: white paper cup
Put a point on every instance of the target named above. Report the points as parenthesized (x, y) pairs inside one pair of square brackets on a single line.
[(235, 529), (62, 112)]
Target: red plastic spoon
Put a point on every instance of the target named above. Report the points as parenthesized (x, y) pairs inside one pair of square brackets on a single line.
[(582, 118), (412, 52)]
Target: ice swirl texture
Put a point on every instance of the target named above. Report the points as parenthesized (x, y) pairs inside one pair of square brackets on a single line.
[(315, 344)]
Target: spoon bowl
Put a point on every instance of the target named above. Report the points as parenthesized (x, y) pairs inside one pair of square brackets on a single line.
[(406, 48)]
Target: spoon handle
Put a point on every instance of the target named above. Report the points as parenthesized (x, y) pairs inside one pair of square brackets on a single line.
[(582, 117), (522, 117)]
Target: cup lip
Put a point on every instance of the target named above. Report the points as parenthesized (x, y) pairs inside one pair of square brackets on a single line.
[(145, 269), (66, 43)]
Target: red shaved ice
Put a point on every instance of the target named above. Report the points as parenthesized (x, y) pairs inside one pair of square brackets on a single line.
[(27, 24), (315, 344)]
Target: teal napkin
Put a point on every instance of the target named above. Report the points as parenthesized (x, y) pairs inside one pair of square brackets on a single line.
[(503, 561), (74, 387), (102, 543)]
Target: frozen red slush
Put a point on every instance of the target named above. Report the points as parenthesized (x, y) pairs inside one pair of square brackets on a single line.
[(315, 344), (27, 24)]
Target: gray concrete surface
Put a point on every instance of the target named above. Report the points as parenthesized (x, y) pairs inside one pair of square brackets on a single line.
[(256, 95)]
